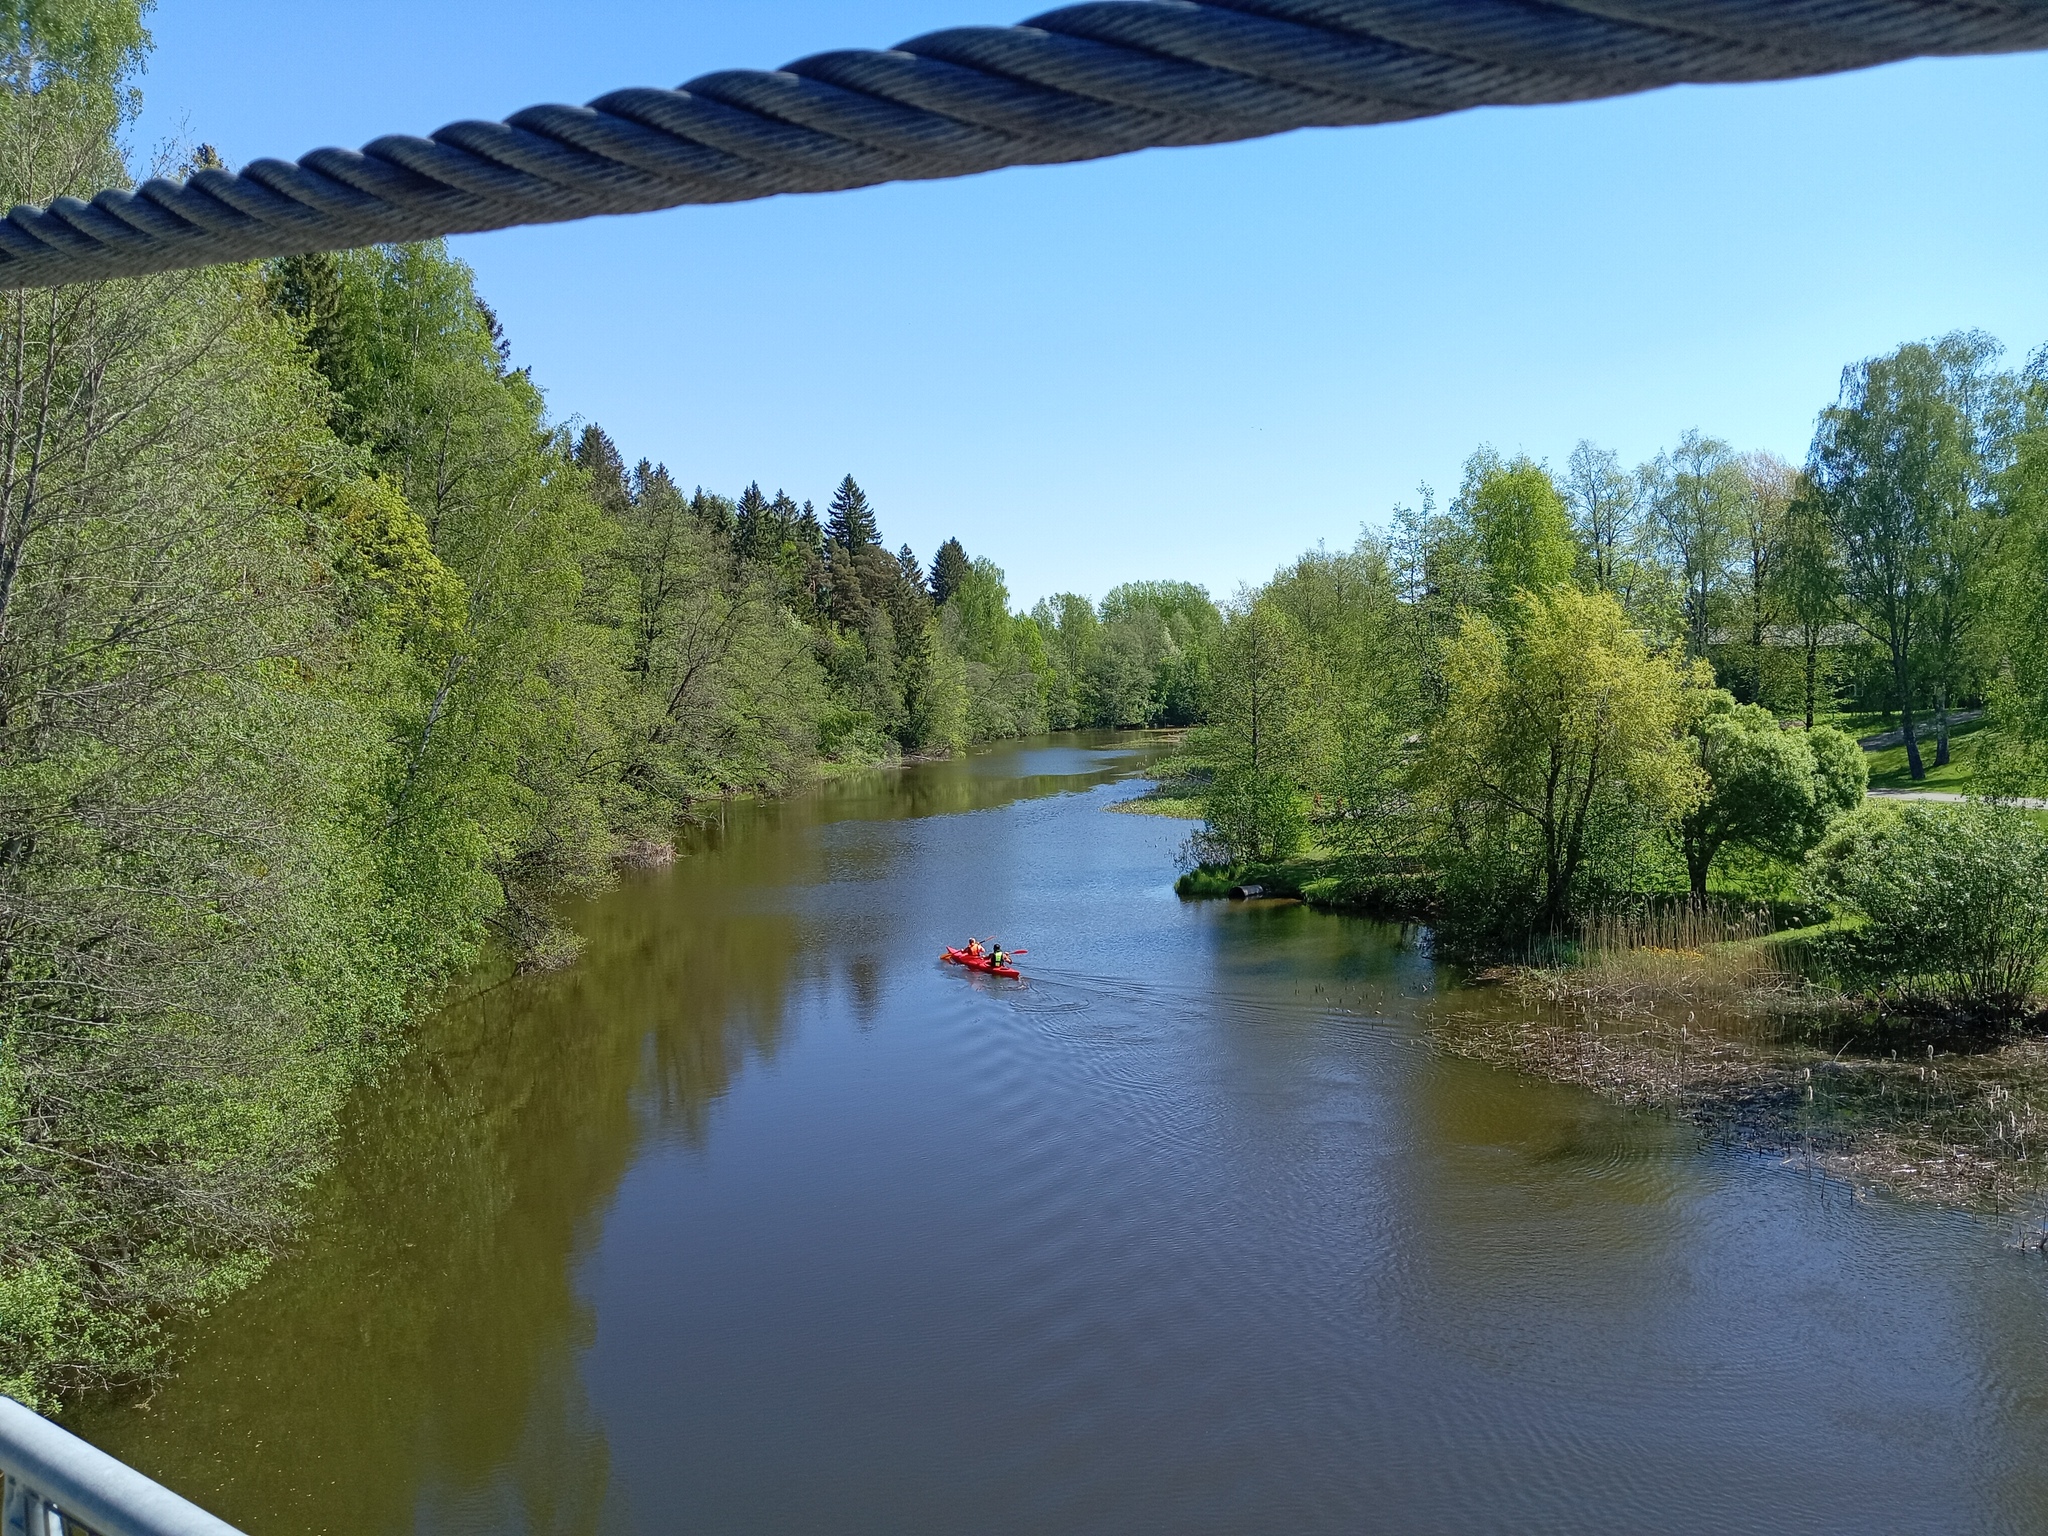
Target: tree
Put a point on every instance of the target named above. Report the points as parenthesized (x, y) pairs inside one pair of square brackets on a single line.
[(1696, 496), (1266, 738), (1003, 654), (2020, 701), (67, 90), (1766, 484), (1603, 499), (1969, 529), (1345, 609), (1119, 672), (1806, 583), (949, 568), (599, 459), (1437, 576), (1557, 720), (850, 521), (201, 595), (753, 525), (1893, 467), (1178, 626), (1521, 529), (1772, 790), (1953, 898), (1071, 632)]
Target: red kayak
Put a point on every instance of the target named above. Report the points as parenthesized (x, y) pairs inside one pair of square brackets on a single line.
[(983, 964)]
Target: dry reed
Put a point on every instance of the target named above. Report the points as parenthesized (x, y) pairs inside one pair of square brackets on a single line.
[(1691, 1010)]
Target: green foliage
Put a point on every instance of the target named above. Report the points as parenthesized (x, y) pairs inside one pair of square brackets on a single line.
[(1251, 813), (851, 521), (66, 89), (388, 569), (1143, 659), (1771, 790), (1806, 592), (1956, 901), (1604, 503), (949, 569), (1902, 474), (1696, 494), (1558, 741), (1521, 528), (2020, 697), (1841, 772), (194, 956), (1267, 741), (1002, 660)]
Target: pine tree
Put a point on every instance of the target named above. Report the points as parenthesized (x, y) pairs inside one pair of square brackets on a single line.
[(713, 513), (754, 538), (784, 519), (913, 573), (949, 568), (851, 524), (599, 458)]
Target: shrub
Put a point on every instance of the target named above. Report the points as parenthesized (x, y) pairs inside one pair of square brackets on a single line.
[(1768, 790), (1251, 815), (1956, 901)]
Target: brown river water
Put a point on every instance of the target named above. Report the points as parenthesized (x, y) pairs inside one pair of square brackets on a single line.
[(761, 1220)]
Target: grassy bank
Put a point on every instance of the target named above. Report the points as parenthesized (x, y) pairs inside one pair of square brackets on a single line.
[(1967, 742), (1399, 890)]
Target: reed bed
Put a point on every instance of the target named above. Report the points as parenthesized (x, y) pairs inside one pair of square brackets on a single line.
[(1643, 963), (1692, 1011)]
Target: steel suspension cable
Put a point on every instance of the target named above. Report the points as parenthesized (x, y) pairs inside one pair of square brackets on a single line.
[(1078, 83)]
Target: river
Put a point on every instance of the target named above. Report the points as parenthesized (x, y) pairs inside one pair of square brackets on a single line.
[(761, 1220)]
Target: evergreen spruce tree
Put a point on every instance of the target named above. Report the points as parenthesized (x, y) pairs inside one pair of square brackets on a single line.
[(851, 523), (714, 513), (949, 568), (599, 458), (753, 538)]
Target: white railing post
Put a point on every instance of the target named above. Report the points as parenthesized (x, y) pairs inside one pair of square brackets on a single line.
[(57, 1485)]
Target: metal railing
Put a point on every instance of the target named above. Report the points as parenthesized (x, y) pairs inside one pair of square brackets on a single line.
[(57, 1485)]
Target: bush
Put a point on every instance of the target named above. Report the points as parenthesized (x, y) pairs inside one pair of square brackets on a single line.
[(1251, 815), (1956, 901)]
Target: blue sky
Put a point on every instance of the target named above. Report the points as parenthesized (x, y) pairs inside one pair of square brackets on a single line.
[(1187, 363)]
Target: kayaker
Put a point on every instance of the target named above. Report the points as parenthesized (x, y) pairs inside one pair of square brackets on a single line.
[(974, 949), (996, 955)]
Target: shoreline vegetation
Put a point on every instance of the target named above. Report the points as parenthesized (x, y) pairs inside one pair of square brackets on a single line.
[(1746, 1031), (335, 667), (1578, 709), (1760, 1057)]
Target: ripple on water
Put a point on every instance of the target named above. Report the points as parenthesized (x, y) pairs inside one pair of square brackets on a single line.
[(1194, 1231)]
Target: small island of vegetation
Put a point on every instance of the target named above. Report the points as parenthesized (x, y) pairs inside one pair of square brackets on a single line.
[(332, 663), (1600, 731)]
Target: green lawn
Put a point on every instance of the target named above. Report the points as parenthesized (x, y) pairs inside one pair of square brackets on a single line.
[(1888, 768), (1866, 723)]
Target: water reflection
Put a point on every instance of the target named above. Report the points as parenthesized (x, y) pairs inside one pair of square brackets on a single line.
[(761, 1220), (413, 1363)]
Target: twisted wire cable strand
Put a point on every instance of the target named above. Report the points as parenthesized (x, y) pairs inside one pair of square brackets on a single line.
[(1078, 83)]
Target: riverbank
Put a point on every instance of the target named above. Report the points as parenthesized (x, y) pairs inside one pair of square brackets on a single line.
[(1727, 1028), (1758, 1056), (1396, 890)]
